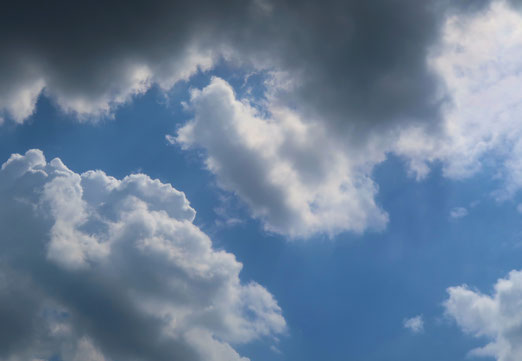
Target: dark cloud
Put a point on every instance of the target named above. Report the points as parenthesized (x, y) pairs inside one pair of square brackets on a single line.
[(359, 64)]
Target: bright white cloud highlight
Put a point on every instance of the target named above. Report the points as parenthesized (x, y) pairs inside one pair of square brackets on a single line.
[(478, 59), (496, 317), (291, 173), (115, 269), (414, 324)]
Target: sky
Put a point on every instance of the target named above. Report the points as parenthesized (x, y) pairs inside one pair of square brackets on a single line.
[(261, 180)]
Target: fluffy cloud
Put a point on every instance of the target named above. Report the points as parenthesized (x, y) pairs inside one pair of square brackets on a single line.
[(292, 174), (478, 59), (304, 174), (496, 317), (96, 268), (414, 324)]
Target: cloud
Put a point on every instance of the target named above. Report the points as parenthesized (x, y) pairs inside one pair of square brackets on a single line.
[(304, 174), (290, 173), (96, 268), (414, 324), (478, 60), (496, 317), (458, 212), (358, 65), (89, 59), (348, 83)]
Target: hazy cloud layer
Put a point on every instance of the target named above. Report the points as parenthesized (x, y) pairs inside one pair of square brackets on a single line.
[(496, 317), (95, 268)]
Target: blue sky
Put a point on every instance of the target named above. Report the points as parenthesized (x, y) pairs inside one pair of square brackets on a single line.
[(348, 206)]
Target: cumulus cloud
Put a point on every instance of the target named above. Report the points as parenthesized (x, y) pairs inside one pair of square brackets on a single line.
[(496, 317), (303, 175), (291, 174), (95, 268), (414, 324), (478, 59)]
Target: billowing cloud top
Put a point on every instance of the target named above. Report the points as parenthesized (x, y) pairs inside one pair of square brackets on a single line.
[(496, 318), (95, 268), (291, 174)]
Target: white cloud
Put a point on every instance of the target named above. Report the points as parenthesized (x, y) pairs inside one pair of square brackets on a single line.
[(414, 324), (170, 139), (478, 59), (20, 100), (291, 173), (496, 317), (458, 212), (109, 263)]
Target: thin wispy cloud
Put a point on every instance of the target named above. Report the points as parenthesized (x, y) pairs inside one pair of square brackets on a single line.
[(458, 212)]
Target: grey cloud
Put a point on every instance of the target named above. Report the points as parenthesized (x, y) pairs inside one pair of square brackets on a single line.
[(359, 64), (93, 56)]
